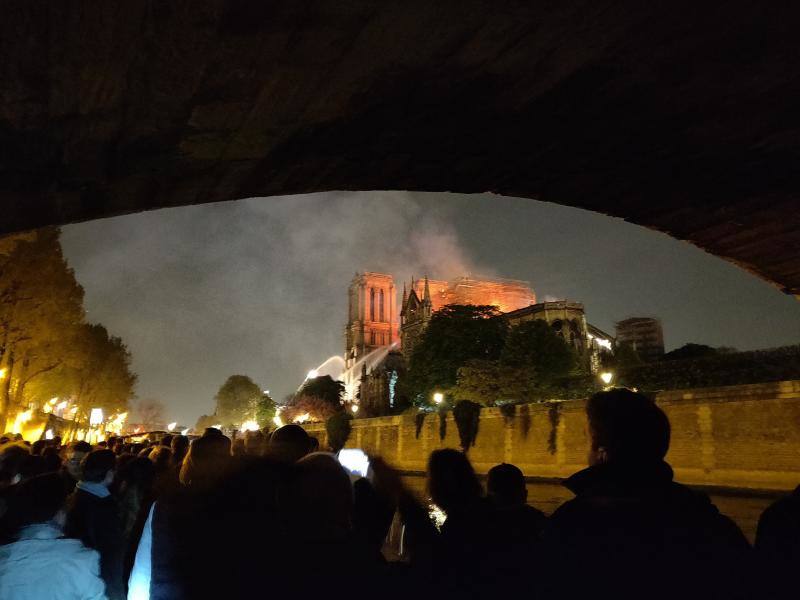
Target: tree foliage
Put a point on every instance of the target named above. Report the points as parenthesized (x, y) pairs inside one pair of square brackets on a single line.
[(338, 428), (237, 400), (325, 388), (318, 409), (490, 382), (624, 357), (46, 348), (455, 335), (205, 421), (691, 351), (535, 344), (101, 371), (265, 410)]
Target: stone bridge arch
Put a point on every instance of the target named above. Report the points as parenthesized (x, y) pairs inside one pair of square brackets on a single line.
[(680, 117)]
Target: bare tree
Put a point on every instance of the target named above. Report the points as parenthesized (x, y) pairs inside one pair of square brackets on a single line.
[(150, 414)]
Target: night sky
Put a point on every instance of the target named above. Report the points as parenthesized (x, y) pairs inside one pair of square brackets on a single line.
[(258, 287)]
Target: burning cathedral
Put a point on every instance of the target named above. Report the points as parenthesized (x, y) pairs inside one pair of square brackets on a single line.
[(380, 334)]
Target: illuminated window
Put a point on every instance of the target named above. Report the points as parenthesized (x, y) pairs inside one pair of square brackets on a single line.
[(381, 306), (372, 305)]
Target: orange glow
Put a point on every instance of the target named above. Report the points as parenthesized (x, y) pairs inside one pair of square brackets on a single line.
[(507, 295)]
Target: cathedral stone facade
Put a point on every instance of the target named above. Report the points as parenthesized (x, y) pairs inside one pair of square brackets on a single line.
[(568, 320), (372, 321), (379, 345)]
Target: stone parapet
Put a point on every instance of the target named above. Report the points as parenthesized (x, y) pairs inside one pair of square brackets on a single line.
[(743, 436)]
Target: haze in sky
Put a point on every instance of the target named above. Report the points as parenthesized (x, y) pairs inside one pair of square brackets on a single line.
[(259, 286)]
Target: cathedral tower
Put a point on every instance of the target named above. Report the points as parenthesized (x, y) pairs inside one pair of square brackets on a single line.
[(371, 321)]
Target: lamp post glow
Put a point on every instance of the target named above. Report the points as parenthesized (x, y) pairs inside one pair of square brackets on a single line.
[(171, 426), (2, 373), (96, 416), (354, 408), (606, 377), (438, 397)]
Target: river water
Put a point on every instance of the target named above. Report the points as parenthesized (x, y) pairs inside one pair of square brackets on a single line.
[(743, 507)]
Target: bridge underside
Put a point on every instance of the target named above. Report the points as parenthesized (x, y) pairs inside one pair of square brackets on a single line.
[(678, 116)]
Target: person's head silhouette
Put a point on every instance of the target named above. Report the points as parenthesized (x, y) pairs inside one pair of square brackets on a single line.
[(452, 483), (626, 427)]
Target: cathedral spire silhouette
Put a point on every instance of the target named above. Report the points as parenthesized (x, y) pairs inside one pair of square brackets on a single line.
[(427, 293)]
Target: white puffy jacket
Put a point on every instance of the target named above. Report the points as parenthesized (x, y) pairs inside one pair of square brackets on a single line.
[(41, 564)]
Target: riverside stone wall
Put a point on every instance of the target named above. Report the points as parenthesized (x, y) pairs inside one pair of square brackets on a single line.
[(744, 436)]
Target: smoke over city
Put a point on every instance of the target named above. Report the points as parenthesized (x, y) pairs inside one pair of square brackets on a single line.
[(259, 287), (255, 287)]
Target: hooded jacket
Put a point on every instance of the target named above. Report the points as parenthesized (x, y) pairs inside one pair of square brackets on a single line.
[(632, 532), (42, 564)]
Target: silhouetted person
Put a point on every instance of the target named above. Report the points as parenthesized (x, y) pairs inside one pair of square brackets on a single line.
[(32, 465), (171, 560), (180, 446), (288, 444), (166, 440), (37, 447), (71, 471), (134, 493), (92, 518), (212, 432), (517, 522), (454, 559), (778, 548), (254, 443), (237, 448), (372, 515), (316, 506), (52, 460), (516, 529), (631, 531), (166, 476), (14, 459), (40, 563)]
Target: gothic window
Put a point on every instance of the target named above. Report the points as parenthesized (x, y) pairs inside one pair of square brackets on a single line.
[(381, 306), (372, 304), (557, 327), (350, 306)]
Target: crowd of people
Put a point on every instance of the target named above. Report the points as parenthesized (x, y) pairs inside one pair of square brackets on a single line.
[(267, 515)]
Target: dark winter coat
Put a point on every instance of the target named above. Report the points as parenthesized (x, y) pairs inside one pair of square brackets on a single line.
[(778, 547), (95, 522), (632, 532)]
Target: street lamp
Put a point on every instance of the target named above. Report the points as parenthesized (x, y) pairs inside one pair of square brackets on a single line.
[(438, 397), (96, 416), (2, 373), (354, 408), (171, 426), (606, 377)]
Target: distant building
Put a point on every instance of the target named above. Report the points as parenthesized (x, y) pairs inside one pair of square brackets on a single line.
[(644, 335), (568, 319)]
